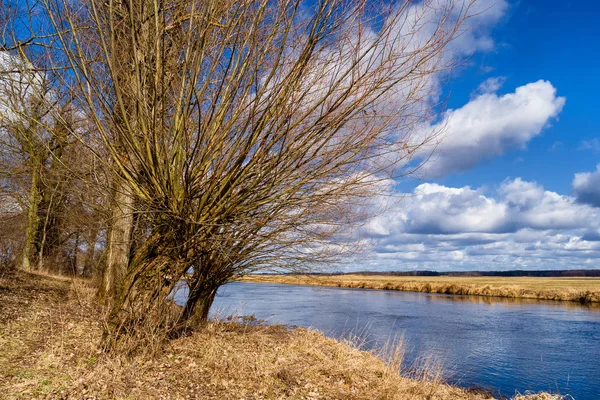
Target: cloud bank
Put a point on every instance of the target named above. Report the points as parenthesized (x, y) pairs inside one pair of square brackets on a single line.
[(518, 225), (586, 186)]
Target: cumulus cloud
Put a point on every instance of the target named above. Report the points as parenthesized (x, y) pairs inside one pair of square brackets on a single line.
[(518, 225), (533, 207), (586, 186), (439, 209), (490, 125)]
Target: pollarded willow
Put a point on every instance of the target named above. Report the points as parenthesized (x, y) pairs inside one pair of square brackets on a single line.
[(245, 135)]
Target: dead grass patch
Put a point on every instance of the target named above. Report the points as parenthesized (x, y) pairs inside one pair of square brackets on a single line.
[(49, 348)]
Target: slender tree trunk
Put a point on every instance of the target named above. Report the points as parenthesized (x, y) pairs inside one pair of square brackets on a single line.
[(46, 213), (75, 250), (118, 243), (89, 264), (51, 212), (32, 245)]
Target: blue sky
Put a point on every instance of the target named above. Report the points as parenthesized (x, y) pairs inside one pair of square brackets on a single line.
[(514, 184), (556, 41)]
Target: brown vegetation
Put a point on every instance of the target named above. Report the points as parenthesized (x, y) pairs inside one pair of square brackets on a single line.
[(50, 330), (154, 142), (584, 290), (196, 141)]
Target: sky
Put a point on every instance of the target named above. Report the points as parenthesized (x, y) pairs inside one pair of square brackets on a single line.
[(515, 183)]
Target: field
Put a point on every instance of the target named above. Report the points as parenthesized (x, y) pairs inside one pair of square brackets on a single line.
[(583, 290), (50, 329)]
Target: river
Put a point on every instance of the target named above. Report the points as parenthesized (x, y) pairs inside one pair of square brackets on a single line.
[(502, 345)]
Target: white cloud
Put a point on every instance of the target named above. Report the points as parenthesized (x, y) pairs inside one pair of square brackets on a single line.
[(438, 209), (519, 225), (533, 207), (490, 125), (484, 15), (586, 186), (490, 85), (420, 45)]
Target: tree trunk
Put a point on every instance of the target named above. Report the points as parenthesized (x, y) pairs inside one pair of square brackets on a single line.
[(75, 250), (118, 243), (203, 307), (32, 245), (48, 230), (51, 212), (196, 308), (89, 264)]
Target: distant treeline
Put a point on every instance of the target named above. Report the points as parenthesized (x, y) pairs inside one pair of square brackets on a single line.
[(547, 273)]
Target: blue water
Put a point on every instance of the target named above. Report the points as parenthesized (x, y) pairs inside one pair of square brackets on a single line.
[(505, 346)]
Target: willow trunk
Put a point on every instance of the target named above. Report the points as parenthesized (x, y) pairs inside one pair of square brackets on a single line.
[(119, 242)]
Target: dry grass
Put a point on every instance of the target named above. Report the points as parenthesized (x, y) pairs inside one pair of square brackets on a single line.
[(584, 290), (540, 396), (50, 331)]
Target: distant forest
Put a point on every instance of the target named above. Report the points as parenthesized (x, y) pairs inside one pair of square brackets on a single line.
[(543, 273)]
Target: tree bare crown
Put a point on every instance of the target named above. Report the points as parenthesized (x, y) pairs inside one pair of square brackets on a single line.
[(242, 135)]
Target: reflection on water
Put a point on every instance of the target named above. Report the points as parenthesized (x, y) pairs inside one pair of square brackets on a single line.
[(508, 301), (501, 344)]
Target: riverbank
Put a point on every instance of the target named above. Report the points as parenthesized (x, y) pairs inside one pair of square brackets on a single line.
[(583, 290), (50, 330)]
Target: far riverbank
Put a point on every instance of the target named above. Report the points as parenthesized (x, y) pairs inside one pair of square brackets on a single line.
[(582, 290)]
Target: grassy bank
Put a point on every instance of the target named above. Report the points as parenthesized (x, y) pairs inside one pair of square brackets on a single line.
[(50, 330), (584, 290)]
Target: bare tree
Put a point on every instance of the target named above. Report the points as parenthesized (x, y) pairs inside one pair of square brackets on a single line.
[(42, 133), (244, 135)]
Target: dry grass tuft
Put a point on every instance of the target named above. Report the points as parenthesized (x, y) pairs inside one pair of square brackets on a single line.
[(49, 348), (541, 396)]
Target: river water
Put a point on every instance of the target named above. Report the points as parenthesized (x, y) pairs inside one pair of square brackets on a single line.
[(503, 345)]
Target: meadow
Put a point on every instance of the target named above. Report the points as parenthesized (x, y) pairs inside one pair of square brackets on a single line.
[(583, 290)]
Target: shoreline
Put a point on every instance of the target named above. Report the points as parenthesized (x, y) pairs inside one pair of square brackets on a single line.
[(50, 329), (549, 289)]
